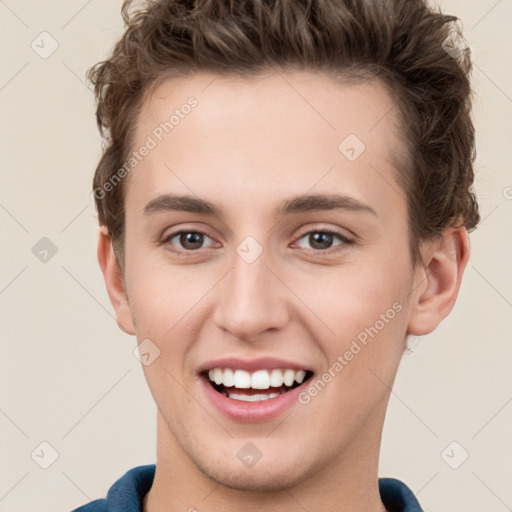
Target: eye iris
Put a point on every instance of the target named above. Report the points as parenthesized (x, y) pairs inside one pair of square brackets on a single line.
[(323, 239), (195, 239)]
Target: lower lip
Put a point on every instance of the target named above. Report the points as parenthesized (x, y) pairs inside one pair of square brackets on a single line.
[(252, 412)]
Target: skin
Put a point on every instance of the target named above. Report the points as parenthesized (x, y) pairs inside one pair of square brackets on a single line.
[(247, 146)]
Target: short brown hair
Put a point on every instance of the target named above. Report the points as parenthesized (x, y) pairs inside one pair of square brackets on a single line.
[(401, 42)]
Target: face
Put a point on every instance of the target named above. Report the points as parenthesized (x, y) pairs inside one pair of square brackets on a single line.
[(287, 261)]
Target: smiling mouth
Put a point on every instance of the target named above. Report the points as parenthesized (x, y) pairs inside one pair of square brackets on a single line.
[(256, 386)]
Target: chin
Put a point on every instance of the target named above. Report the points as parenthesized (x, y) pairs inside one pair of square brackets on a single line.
[(276, 470), (264, 478)]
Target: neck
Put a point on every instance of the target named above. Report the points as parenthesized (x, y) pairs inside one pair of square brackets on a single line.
[(348, 483)]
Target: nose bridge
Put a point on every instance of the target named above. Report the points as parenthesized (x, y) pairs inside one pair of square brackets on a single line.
[(252, 300)]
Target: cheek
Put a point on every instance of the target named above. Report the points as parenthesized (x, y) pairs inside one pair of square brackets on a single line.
[(366, 313), (160, 293), (369, 319), (169, 303), (353, 298)]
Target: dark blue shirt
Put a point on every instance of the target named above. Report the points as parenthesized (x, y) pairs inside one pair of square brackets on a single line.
[(127, 493)]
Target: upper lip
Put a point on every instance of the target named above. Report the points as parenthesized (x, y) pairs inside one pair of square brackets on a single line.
[(252, 365)]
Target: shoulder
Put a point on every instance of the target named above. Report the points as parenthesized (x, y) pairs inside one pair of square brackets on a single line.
[(126, 493), (397, 497)]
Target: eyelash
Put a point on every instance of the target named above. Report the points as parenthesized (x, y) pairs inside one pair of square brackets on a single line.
[(192, 252), (342, 238)]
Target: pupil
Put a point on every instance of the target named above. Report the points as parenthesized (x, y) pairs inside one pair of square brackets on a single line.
[(323, 239), (195, 239)]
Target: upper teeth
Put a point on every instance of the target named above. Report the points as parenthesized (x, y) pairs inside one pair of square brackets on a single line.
[(261, 379)]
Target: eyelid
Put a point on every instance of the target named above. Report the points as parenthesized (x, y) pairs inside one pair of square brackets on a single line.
[(327, 229), (172, 231)]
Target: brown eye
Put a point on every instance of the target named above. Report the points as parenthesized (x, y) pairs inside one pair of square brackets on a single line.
[(322, 240), (181, 241), (191, 240)]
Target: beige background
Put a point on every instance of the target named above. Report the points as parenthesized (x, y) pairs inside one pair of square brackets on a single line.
[(68, 376)]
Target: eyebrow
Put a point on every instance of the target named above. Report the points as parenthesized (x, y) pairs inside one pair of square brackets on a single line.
[(295, 205)]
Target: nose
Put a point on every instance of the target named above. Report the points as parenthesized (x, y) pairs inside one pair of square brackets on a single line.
[(251, 299)]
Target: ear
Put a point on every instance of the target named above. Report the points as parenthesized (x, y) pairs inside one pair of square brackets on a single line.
[(437, 280), (114, 282)]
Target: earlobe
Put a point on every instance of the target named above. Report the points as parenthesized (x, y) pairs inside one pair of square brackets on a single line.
[(114, 282), (438, 280)]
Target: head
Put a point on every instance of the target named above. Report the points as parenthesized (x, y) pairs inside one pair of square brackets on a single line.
[(260, 113)]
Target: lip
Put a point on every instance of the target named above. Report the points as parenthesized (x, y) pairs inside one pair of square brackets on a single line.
[(262, 363), (252, 412)]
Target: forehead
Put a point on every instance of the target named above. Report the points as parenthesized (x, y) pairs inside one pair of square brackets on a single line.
[(287, 130), (300, 101)]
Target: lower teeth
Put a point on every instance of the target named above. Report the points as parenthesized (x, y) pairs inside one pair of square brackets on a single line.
[(250, 398), (259, 397)]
